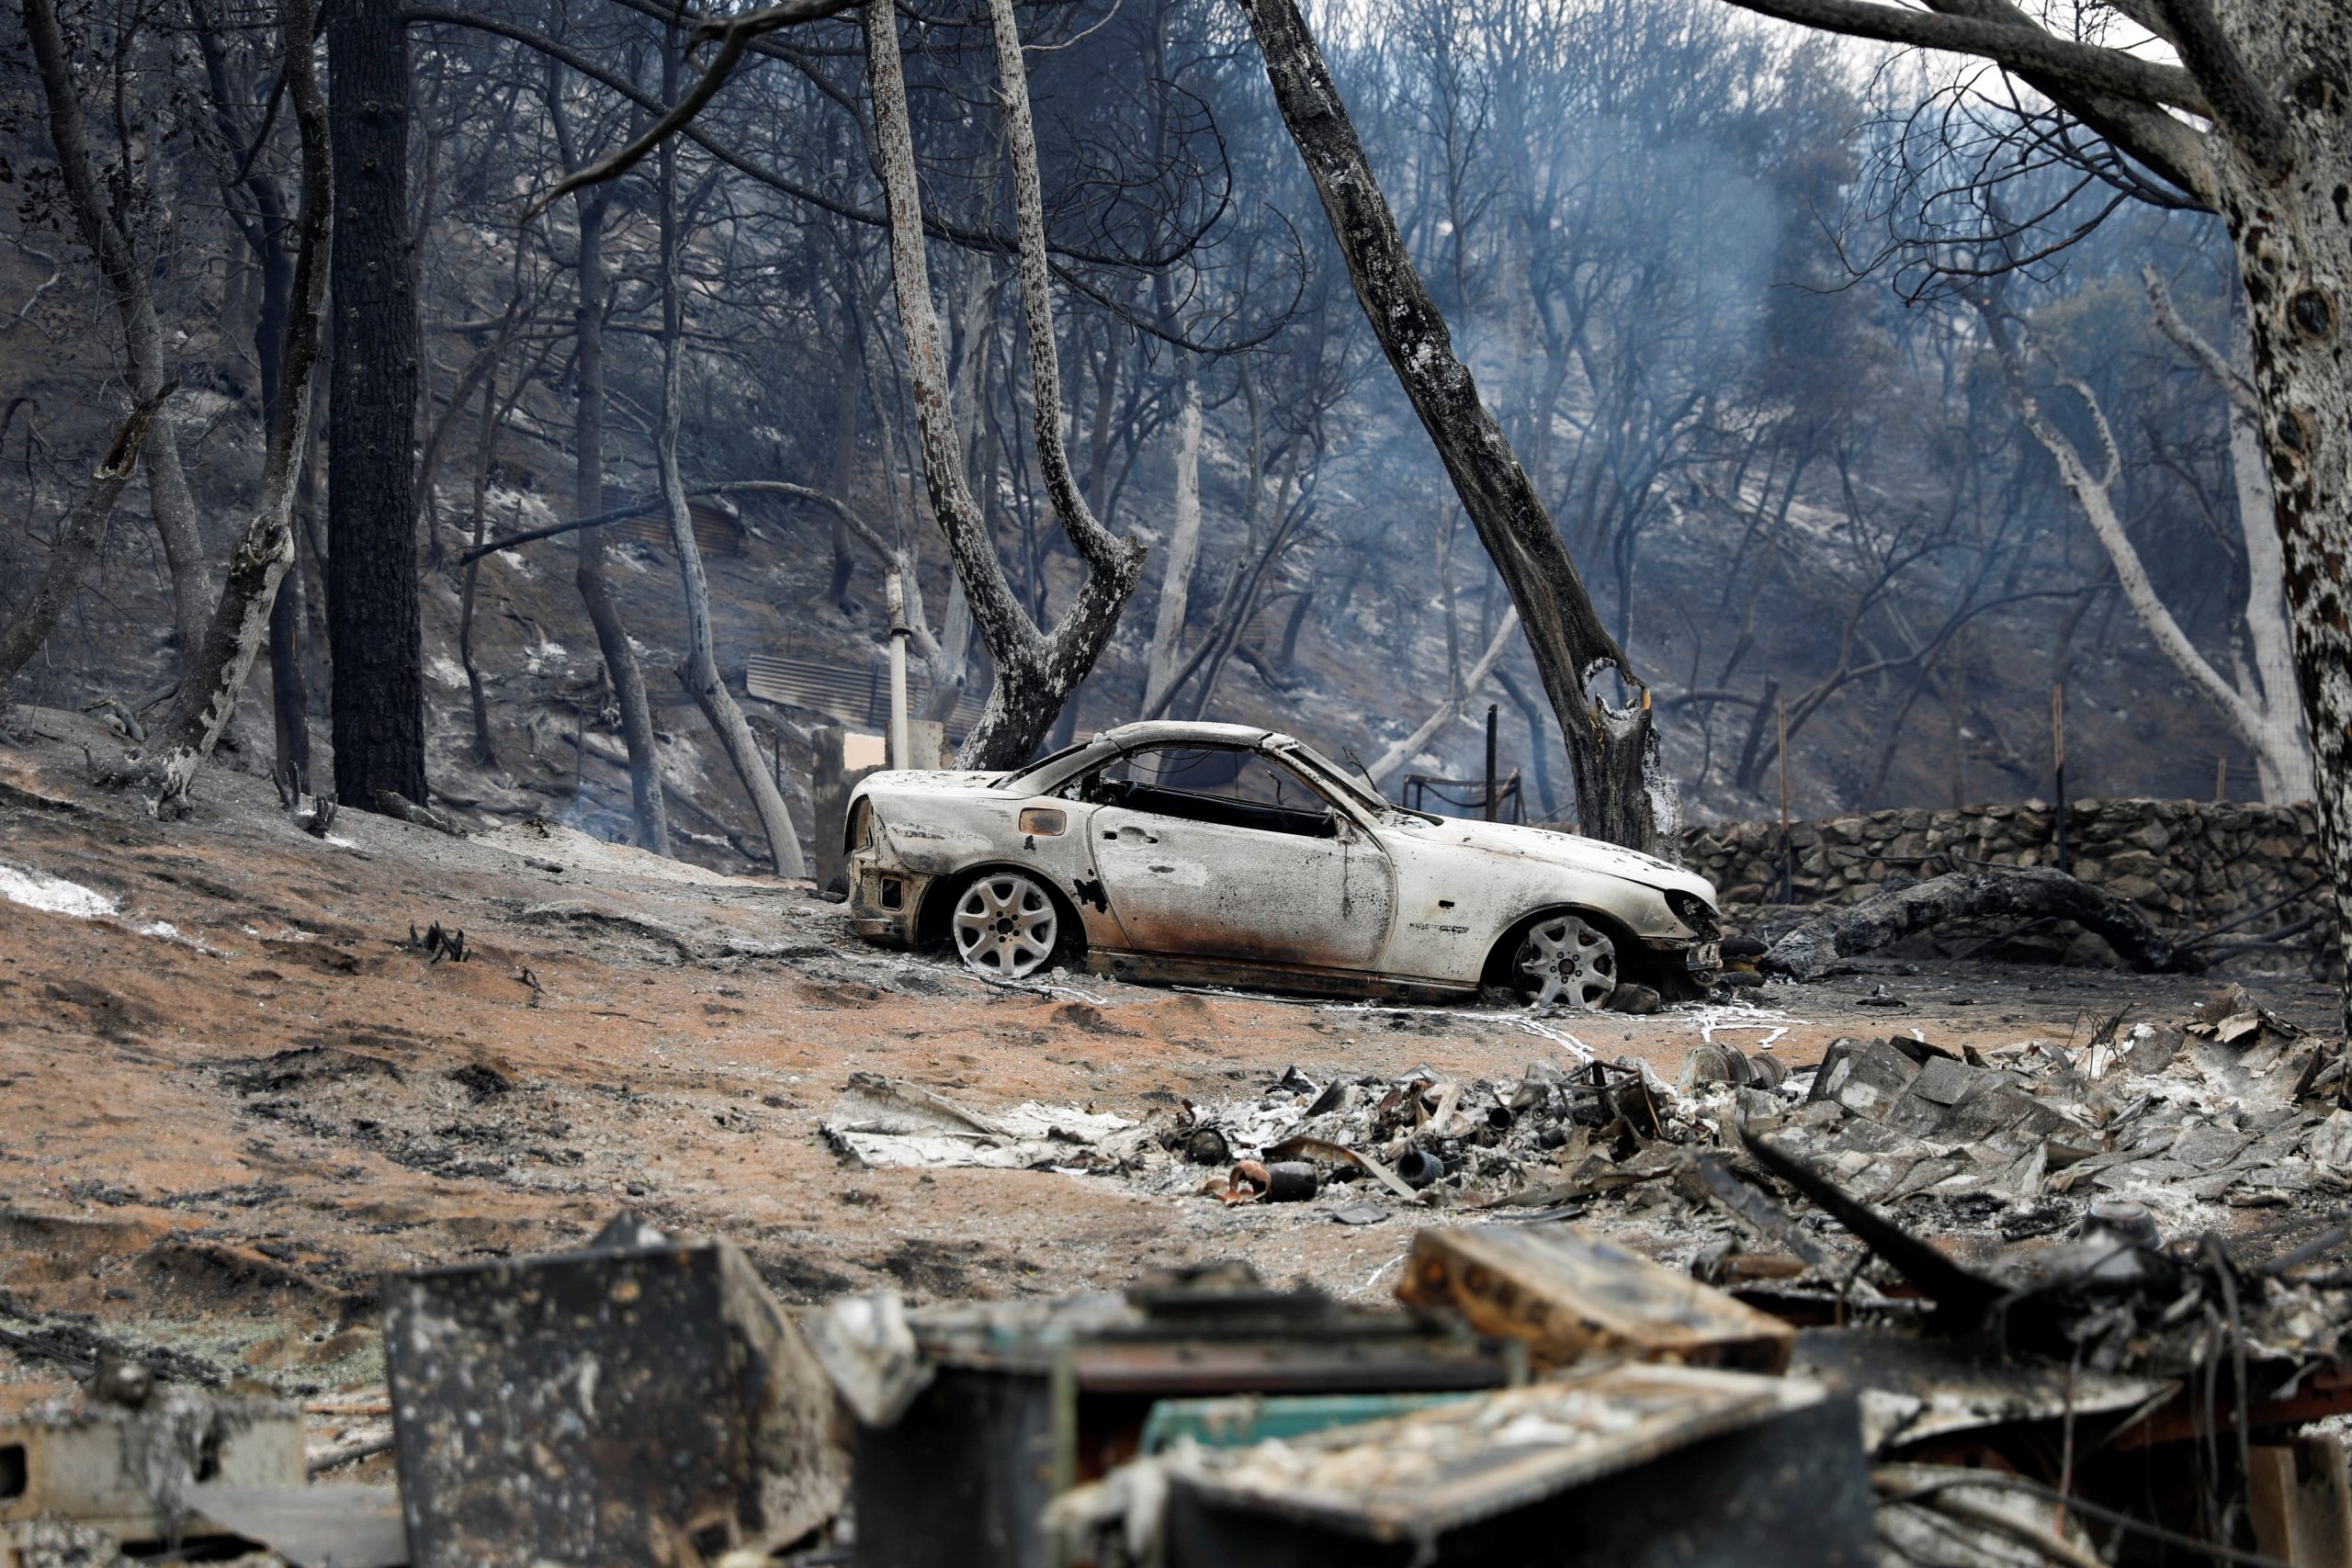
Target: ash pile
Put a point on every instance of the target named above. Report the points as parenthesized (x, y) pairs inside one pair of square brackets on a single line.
[(2229, 1110), (1557, 1133)]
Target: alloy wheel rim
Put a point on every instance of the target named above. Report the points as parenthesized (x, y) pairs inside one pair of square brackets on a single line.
[(1005, 926), (1565, 957)]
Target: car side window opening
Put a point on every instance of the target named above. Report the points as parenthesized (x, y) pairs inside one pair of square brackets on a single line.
[(1212, 784)]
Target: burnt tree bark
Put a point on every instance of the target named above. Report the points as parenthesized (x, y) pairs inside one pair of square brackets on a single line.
[(2005, 893), (649, 808), (1623, 793), (592, 211), (263, 230), (373, 628)]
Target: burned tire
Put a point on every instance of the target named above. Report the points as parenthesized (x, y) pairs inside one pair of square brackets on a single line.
[(1006, 925), (1566, 957)]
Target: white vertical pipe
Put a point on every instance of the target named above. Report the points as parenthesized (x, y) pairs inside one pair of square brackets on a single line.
[(899, 632)]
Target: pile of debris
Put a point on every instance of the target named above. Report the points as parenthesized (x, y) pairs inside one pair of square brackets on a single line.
[(1538, 1391), (2229, 1110), (1912, 1305), (1422, 1138)]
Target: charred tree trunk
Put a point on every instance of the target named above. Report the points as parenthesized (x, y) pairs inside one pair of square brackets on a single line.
[(1183, 548), (849, 330), (289, 695), (263, 229), (372, 615), (2285, 207), (649, 809), (485, 747), (1623, 793), (2004, 892), (1539, 747)]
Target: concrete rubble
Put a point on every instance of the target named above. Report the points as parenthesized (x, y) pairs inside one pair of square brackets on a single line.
[(2076, 1303)]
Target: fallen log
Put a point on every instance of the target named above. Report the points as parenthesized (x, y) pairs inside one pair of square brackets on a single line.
[(1990, 892), (392, 803)]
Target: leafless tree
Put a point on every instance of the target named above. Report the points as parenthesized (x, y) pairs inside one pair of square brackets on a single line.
[(2258, 702)]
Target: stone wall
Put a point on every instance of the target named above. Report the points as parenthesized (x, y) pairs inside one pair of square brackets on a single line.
[(2192, 865)]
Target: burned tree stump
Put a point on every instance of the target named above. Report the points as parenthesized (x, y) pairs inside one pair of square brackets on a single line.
[(1992, 892)]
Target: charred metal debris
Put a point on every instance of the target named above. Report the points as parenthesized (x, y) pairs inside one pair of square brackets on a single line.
[(2041, 1305)]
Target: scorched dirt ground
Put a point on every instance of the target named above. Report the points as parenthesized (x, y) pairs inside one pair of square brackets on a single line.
[(234, 1096)]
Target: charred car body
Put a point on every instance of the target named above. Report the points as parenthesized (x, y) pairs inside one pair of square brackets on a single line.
[(1228, 854)]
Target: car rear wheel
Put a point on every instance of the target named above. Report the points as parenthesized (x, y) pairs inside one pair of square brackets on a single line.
[(1565, 957), (1006, 926)]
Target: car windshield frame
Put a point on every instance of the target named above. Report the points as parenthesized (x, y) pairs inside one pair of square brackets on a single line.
[(1049, 760), (1362, 795)]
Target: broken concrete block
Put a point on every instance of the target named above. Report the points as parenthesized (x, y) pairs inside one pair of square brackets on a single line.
[(2331, 1143), (1864, 1075), (1566, 1293), (330, 1524), (129, 1472), (641, 1404), (2150, 1047)]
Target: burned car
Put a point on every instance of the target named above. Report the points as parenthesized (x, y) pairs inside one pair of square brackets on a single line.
[(1232, 854)]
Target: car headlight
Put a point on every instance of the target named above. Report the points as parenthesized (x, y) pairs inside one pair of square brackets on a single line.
[(1696, 913)]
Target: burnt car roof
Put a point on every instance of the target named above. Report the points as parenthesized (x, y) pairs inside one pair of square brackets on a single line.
[(1159, 731)]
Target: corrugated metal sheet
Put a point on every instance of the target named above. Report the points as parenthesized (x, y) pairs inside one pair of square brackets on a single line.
[(852, 696), (718, 530)]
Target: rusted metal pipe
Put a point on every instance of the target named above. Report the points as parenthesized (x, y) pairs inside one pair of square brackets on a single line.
[(1248, 1182)]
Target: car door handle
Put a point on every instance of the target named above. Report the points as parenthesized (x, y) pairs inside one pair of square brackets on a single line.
[(1136, 834)]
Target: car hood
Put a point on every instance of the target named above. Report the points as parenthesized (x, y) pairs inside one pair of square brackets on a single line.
[(1567, 851)]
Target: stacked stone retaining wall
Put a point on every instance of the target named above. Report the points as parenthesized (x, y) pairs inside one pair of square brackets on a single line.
[(2192, 865)]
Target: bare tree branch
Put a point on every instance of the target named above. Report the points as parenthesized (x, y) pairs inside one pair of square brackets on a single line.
[(735, 35), (79, 540), (2256, 120), (2026, 49), (2224, 374)]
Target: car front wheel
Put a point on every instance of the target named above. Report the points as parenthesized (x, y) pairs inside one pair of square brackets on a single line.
[(1006, 926), (1565, 957)]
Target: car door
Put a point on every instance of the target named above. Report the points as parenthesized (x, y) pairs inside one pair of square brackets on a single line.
[(1196, 859)]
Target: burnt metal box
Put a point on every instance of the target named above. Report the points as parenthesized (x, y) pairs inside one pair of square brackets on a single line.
[(643, 1405), (1628, 1466), (1568, 1293), (1032, 1398)]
